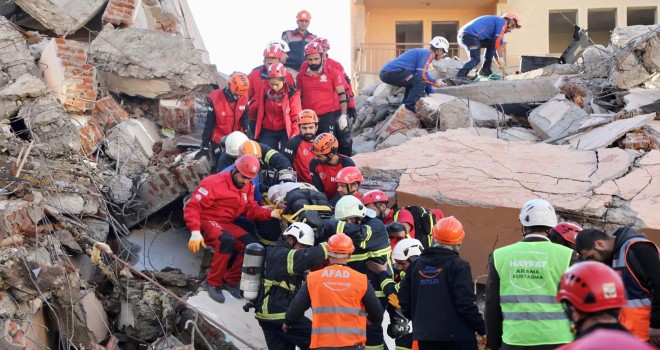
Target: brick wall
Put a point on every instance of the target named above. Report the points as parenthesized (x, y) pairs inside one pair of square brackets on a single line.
[(109, 112), (120, 13), (178, 115), (79, 86), (20, 216), (91, 134)]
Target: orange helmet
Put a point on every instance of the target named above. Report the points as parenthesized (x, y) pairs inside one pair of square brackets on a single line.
[(277, 70), (273, 51), (247, 165), (374, 196), (448, 231), (340, 243), (313, 48), (250, 147), (307, 116), (238, 83), (349, 175), (512, 15), (325, 144), (304, 14)]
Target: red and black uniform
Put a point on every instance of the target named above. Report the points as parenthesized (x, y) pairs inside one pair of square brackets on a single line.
[(224, 116), (258, 79), (324, 175), (214, 205), (277, 116), (297, 42), (329, 62), (299, 153)]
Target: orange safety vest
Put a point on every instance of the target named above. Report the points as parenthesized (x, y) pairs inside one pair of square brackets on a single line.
[(338, 315)]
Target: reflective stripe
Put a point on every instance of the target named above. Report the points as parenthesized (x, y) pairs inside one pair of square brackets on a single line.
[(338, 310), (401, 348), (368, 255), (324, 245), (639, 302), (374, 347), (363, 244), (281, 284), (544, 299), (289, 262), (533, 316), (268, 155), (339, 330), (385, 283), (380, 294), (340, 227), (271, 317), (265, 241)]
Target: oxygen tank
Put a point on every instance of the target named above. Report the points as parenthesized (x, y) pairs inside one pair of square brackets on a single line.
[(253, 260)]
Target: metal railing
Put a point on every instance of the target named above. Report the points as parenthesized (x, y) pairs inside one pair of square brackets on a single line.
[(371, 56)]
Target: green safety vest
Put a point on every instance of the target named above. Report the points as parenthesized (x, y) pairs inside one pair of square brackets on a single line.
[(529, 277)]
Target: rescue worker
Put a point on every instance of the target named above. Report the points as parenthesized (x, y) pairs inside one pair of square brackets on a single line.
[(438, 294), (410, 70), (373, 246), (272, 162), (284, 46), (286, 263), (342, 301), (348, 182), (327, 163), (484, 32), (259, 83), (227, 110), (215, 204), (377, 200), (297, 39), (404, 253), (520, 311), (277, 109), (564, 233), (322, 90), (635, 258), (299, 147), (232, 143)]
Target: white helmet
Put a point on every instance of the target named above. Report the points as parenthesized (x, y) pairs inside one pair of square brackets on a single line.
[(282, 44), (350, 207), (302, 232), (407, 248), (538, 212), (234, 142), (440, 43)]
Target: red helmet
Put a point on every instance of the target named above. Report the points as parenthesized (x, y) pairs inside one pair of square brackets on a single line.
[(325, 44), (567, 230), (448, 231), (304, 14), (374, 196), (313, 48), (247, 165), (277, 70), (349, 175), (592, 286), (273, 51)]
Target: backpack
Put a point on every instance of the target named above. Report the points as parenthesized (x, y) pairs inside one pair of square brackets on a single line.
[(424, 222)]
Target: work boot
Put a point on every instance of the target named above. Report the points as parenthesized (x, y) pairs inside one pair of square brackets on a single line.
[(215, 293), (485, 71), (233, 290)]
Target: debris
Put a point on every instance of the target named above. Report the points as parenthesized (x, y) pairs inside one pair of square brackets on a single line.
[(25, 87), (606, 135), (595, 60), (63, 18), (505, 91), (552, 70), (49, 125), (15, 56), (557, 117), (130, 143), (402, 121), (443, 112), (638, 97)]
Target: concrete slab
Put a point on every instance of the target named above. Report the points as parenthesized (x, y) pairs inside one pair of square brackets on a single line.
[(505, 91), (638, 97), (173, 241), (62, 16), (448, 112), (605, 135), (556, 117)]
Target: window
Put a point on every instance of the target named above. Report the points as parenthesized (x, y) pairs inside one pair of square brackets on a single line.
[(600, 22), (448, 30), (560, 31), (641, 16), (408, 36)]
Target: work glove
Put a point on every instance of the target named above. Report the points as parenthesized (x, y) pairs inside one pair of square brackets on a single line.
[(483, 341), (394, 300), (203, 152), (342, 121), (276, 214), (195, 241)]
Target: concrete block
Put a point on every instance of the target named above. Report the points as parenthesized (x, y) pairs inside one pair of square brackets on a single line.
[(156, 191), (448, 112), (638, 97), (621, 36), (505, 91), (556, 117), (62, 16), (73, 203), (606, 135), (50, 127), (400, 122), (383, 91), (130, 143), (121, 13), (109, 112), (627, 71), (552, 70), (446, 68), (25, 87), (20, 216), (191, 174), (15, 56), (97, 229), (595, 61)]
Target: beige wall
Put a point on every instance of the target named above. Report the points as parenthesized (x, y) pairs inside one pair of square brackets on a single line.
[(533, 38)]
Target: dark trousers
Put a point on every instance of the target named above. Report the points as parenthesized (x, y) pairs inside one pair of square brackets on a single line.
[(414, 84), (328, 123), (404, 341), (473, 46), (298, 335), (276, 139), (440, 345)]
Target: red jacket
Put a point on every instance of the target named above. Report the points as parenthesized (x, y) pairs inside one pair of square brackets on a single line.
[(339, 68), (324, 175), (217, 199), (318, 91), (299, 153), (282, 114), (227, 114), (258, 85)]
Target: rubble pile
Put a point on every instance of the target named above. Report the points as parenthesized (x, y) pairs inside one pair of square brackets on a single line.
[(96, 100)]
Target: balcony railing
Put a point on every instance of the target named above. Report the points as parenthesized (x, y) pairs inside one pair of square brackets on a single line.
[(371, 57)]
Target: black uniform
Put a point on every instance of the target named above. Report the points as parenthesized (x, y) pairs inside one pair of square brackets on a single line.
[(271, 161), (437, 294), (284, 273)]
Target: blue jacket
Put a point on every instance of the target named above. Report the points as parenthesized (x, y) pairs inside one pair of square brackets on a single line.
[(416, 61), (487, 28), (297, 43)]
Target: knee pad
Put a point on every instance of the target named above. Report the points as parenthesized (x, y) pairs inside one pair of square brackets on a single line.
[(226, 242)]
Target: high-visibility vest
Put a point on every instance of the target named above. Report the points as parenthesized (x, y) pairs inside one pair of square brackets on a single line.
[(529, 276), (636, 316), (338, 315)]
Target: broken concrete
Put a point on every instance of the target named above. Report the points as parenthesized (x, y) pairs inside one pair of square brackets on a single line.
[(21, 216), (595, 61), (159, 64), (552, 70), (73, 203), (505, 91), (61, 16), (401, 122), (25, 87), (621, 36), (647, 201), (444, 112), (606, 135), (627, 72), (131, 143), (638, 97), (15, 58), (49, 125), (446, 68), (557, 117)]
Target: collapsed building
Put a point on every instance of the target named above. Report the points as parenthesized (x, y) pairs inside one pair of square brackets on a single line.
[(101, 102)]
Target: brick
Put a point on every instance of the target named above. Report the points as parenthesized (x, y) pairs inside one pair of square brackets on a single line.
[(108, 112), (19, 216), (178, 115), (120, 13), (190, 174), (91, 134)]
